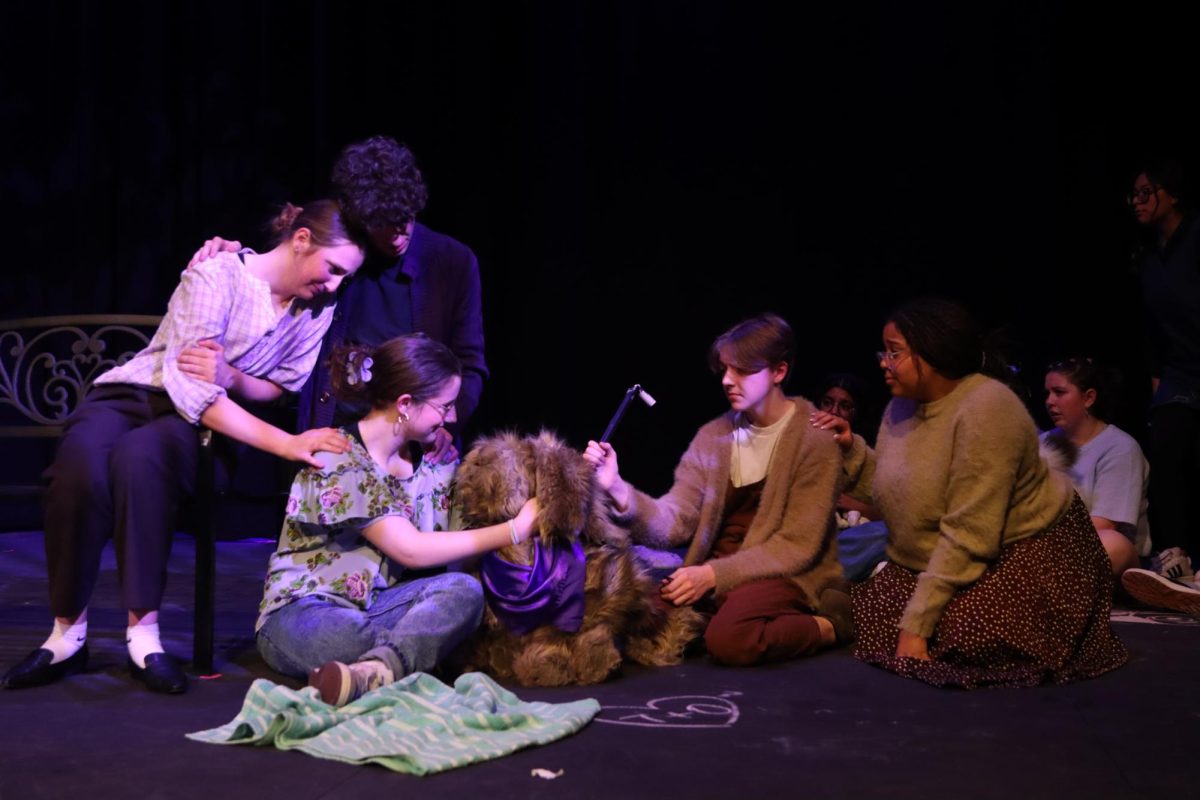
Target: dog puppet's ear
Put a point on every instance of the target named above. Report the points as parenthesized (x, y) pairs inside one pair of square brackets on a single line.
[(563, 486)]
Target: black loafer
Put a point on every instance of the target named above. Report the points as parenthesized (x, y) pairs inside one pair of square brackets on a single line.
[(36, 670), (162, 674)]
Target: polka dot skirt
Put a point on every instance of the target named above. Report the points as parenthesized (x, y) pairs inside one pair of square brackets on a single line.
[(1040, 614)]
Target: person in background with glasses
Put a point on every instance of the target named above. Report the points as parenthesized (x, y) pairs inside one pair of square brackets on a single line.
[(995, 576), (341, 605), (862, 536), (1110, 473), (843, 394), (1170, 276)]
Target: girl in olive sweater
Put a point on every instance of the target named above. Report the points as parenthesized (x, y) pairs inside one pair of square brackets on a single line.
[(996, 576)]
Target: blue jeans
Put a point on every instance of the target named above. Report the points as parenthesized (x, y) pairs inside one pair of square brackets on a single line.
[(411, 627)]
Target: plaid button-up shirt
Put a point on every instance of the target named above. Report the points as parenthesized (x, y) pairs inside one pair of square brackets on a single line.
[(219, 299)]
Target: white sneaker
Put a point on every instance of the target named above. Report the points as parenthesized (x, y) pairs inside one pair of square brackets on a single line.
[(1155, 590), (1175, 564), (339, 684)]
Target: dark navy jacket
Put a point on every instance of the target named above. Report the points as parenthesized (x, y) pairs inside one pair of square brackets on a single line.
[(438, 278), (1171, 288)]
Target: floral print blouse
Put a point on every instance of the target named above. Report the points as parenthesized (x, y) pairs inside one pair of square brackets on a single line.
[(322, 550)]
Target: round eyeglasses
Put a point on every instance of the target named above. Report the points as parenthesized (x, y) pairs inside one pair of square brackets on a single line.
[(1141, 195), (833, 405), (442, 408), (890, 357)]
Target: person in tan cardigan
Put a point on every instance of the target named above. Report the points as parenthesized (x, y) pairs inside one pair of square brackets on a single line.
[(754, 496)]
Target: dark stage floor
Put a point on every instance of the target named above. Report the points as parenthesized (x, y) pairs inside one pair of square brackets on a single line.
[(823, 727)]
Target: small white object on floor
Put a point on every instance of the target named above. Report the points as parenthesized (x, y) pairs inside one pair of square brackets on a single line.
[(545, 774)]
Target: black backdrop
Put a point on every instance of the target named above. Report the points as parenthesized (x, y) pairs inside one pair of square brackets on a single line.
[(634, 176)]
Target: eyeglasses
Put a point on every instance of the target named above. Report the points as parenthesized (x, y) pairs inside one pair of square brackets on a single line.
[(828, 403), (1141, 195), (442, 408), (890, 357)]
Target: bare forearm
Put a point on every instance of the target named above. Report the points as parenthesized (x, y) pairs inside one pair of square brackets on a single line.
[(411, 548), (227, 417), (256, 390)]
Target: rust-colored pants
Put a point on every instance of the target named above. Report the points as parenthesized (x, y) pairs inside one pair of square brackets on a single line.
[(762, 621)]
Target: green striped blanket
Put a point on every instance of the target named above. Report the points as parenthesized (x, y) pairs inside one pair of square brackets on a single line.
[(417, 725)]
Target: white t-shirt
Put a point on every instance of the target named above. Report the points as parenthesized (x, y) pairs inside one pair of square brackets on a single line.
[(753, 446), (1111, 476)]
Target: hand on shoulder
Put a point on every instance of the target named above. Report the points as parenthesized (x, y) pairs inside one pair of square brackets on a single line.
[(212, 247)]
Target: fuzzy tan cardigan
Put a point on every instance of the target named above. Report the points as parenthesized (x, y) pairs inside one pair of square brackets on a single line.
[(793, 532)]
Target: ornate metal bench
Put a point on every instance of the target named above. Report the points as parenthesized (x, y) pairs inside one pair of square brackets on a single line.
[(47, 366)]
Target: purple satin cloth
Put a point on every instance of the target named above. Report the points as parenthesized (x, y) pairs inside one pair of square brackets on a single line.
[(548, 592)]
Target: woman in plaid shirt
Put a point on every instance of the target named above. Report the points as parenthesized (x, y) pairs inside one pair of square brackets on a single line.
[(129, 455)]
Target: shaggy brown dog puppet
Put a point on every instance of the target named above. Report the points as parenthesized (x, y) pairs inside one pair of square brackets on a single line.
[(566, 604)]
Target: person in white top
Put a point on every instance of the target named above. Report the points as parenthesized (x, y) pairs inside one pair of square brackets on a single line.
[(1110, 473), (129, 455), (753, 500)]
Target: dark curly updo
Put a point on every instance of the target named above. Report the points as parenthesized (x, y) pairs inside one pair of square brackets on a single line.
[(379, 185)]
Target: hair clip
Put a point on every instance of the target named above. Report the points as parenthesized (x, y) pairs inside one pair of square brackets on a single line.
[(360, 371)]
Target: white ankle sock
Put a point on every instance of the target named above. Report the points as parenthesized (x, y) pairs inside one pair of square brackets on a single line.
[(142, 641), (66, 640), (370, 675)]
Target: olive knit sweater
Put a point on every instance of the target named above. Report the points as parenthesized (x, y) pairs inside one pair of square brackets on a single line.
[(957, 480)]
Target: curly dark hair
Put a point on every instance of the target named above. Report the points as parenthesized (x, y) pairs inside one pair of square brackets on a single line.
[(378, 184)]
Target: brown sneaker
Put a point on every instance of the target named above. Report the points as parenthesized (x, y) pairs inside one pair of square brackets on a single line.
[(339, 684), (835, 607)]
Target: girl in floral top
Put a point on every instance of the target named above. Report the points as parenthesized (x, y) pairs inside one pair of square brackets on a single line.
[(338, 605)]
